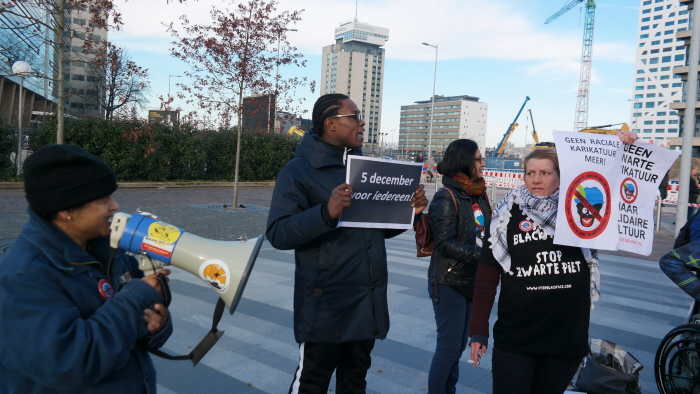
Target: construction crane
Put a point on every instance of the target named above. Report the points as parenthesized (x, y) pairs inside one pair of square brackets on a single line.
[(581, 115), (502, 145), (538, 144), (295, 131), (534, 132)]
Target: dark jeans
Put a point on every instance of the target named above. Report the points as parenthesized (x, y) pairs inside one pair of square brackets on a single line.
[(452, 314), (317, 361), (516, 373)]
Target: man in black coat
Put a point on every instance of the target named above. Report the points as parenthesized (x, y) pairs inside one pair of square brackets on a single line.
[(340, 288)]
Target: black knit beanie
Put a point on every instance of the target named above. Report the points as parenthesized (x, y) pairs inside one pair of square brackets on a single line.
[(60, 177)]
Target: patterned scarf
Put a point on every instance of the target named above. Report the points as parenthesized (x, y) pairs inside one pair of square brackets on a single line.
[(476, 188), (543, 212)]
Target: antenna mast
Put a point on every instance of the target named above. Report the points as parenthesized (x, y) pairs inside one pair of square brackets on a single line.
[(356, 10)]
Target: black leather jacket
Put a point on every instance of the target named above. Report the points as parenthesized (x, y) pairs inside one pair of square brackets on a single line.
[(456, 256)]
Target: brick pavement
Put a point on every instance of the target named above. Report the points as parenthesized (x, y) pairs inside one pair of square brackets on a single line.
[(257, 353)]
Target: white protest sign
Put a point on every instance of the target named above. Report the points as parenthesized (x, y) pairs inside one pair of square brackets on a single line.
[(642, 169), (587, 163), (382, 193), (608, 191)]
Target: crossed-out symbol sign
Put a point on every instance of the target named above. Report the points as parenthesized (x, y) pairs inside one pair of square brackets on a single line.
[(629, 190), (587, 205)]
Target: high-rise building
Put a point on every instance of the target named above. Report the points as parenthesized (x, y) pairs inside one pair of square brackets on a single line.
[(656, 86), (354, 66), (681, 71), (82, 80), (18, 42), (454, 117)]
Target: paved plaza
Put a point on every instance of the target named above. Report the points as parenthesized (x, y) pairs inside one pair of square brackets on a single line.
[(258, 354)]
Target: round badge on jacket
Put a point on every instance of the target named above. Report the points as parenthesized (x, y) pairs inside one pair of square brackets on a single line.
[(105, 288), (526, 225)]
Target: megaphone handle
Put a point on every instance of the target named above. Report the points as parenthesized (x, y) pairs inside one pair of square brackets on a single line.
[(167, 296), (205, 344)]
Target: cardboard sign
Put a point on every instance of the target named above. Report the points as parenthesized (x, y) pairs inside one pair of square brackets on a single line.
[(607, 191), (383, 193)]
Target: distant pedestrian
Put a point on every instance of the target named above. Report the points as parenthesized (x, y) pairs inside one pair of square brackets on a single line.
[(340, 281)]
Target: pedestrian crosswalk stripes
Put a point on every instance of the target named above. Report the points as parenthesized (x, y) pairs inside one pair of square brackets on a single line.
[(638, 307)]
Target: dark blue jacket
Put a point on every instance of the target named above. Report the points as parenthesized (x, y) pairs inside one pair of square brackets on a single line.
[(341, 273), (58, 334)]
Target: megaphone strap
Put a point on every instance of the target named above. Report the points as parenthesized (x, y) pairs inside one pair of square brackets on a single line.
[(167, 296), (205, 344)]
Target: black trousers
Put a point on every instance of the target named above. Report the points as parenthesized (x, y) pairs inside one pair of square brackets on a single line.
[(318, 361), (516, 373)]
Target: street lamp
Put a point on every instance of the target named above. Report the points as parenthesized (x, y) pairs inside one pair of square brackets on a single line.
[(277, 71), (391, 143), (432, 104), (381, 142), (21, 69), (170, 76)]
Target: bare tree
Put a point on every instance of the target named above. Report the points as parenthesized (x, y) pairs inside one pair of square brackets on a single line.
[(237, 54), (47, 19), (115, 81)]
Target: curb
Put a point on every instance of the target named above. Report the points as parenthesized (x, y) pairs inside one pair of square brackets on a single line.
[(130, 185)]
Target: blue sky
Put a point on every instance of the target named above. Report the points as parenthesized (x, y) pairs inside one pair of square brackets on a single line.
[(498, 50)]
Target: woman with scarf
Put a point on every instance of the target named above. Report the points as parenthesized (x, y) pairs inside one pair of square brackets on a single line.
[(547, 290), (459, 214)]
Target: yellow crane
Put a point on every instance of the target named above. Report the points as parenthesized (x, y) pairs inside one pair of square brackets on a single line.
[(504, 142), (602, 129), (538, 144), (295, 131)]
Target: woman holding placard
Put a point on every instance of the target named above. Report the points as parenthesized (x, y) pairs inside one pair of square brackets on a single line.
[(459, 214), (547, 290)]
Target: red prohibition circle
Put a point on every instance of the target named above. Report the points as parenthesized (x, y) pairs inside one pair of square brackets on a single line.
[(632, 199), (568, 209)]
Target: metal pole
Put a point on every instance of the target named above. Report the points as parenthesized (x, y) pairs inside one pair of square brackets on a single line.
[(493, 192), (18, 159), (432, 105), (277, 67), (277, 74), (658, 214), (170, 76), (688, 124)]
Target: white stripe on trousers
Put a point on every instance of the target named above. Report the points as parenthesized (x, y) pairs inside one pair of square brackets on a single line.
[(297, 377)]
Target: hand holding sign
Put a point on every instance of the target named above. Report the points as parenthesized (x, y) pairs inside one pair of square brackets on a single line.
[(610, 190), (419, 200), (627, 137), (340, 200), (383, 194)]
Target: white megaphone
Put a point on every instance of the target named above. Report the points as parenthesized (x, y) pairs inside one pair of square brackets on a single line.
[(223, 266)]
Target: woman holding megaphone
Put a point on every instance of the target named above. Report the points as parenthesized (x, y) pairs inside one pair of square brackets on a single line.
[(76, 316)]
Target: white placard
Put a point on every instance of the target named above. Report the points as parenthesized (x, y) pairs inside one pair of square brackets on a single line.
[(608, 191)]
